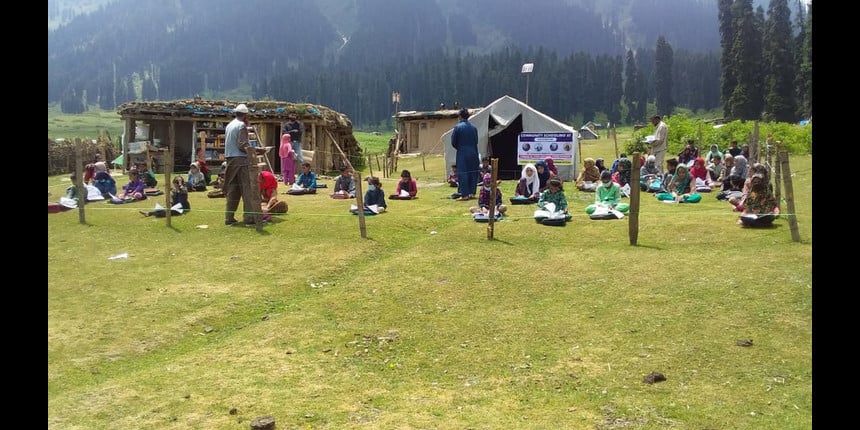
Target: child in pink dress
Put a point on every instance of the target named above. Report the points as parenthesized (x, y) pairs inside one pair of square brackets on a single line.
[(288, 158)]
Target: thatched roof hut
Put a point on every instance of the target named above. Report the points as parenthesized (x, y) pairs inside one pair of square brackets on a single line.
[(328, 139)]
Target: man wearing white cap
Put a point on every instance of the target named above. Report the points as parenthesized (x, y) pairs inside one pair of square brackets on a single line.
[(237, 179)]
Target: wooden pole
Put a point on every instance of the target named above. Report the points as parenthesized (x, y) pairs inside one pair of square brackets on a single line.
[(777, 180), (79, 179), (789, 196), (492, 215), (129, 137), (345, 158), (168, 170), (378, 167), (370, 164), (384, 165), (254, 194), (699, 136), (423, 162), (633, 214), (614, 137), (359, 201), (754, 146)]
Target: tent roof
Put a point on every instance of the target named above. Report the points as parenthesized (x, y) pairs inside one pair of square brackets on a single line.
[(503, 111)]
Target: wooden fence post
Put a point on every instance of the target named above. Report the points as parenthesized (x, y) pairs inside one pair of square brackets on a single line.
[(493, 191), (168, 169), (79, 179), (359, 201), (777, 180), (789, 196), (633, 222)]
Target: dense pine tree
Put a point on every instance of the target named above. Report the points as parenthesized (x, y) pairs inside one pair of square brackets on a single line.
[(614, 91), (746, 58), (779, 56), (804, 75), (631, 90), (727, 39), (663, 58)]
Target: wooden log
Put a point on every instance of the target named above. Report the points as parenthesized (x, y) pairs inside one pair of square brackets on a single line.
[(789, 196), (345, 158), (370, 164), (635, 193)]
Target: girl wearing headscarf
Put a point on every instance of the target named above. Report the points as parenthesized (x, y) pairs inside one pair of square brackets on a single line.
[(622, 174), (543, 173), (714, 152), (757, 168), (740, 169), (759, 204), (599, 163), (407, 187), (550, 165), (588, 177), (680, 185), (649, 173), (484, 198), (529, 185), (288, 159), (103, 180)]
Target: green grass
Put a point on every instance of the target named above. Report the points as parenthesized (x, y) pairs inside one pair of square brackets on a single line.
[(543, 327)]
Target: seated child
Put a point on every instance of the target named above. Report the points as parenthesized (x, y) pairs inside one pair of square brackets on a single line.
[(550, 165), (133, 190), (552, 204), (607, 196), (204, 168), (374, 198), (528, 186), (344, 185), (715, 170), (486, 167), (269, 195), (407, 187), (103, 180), (760, 207), (306, 183), (196, 181), (146, 175), (70, 200), (589, 176), (453, 182), (484, 198), (649, 175), (178, 197)]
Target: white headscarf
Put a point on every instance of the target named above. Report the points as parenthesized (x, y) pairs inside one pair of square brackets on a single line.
[(532, 182)]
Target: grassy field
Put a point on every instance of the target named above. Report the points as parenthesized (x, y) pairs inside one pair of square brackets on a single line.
[(427, 323)]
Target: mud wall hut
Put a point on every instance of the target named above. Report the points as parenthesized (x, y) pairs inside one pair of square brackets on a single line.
[(190, 126)]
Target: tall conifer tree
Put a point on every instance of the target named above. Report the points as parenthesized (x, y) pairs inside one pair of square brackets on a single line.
[(663, 57), (780, 103)]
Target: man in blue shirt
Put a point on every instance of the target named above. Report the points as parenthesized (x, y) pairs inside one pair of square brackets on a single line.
[(464, 139)]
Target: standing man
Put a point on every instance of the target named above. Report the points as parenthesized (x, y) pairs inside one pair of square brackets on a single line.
[(659, 145), (237, 180), (464, 139), (295, 129)]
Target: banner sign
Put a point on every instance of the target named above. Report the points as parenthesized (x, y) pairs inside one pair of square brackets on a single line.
[(534, 147)]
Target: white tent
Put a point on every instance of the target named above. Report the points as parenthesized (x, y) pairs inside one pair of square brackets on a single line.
[(499, 125)]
